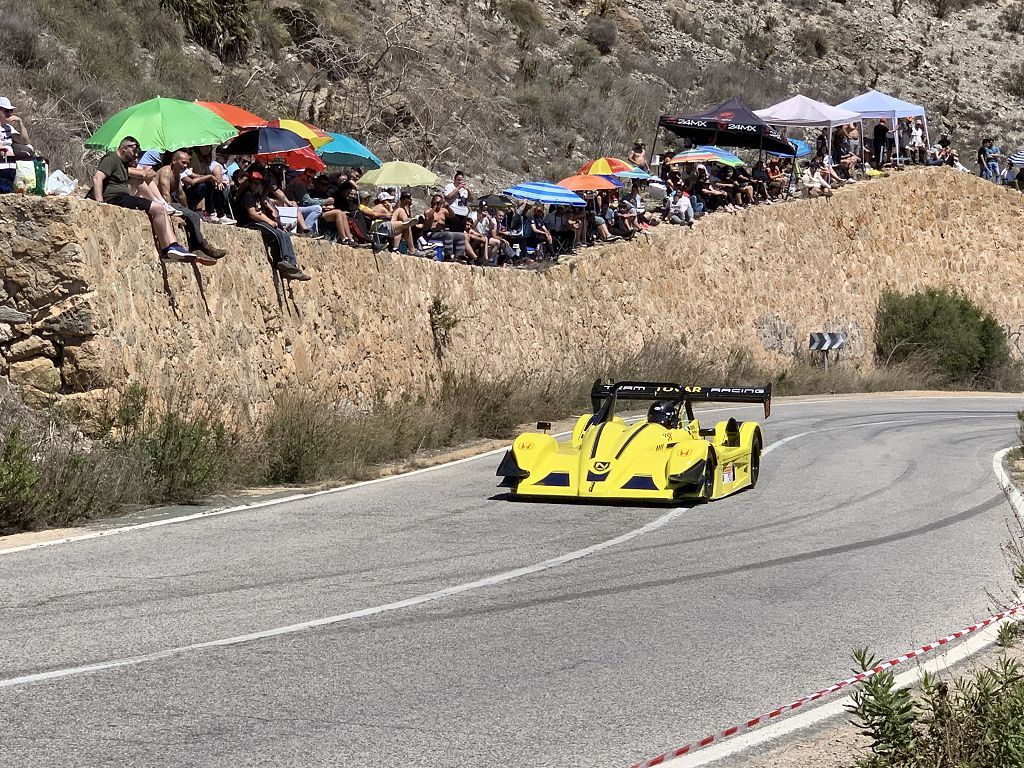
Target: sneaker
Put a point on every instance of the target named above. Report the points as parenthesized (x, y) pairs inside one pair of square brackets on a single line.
[(227, 220), (172, 211), (175, 252), (206, 217), (202, 258), (297, 275), (213, 251), (422, 244), (285, 268)]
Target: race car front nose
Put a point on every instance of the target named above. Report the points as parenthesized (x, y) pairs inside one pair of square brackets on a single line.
[(509, 467), (693, 475)]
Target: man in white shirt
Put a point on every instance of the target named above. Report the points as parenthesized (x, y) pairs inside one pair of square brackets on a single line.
[(457, 196)]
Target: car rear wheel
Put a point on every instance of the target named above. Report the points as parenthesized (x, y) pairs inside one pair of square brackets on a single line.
[(755, 458)]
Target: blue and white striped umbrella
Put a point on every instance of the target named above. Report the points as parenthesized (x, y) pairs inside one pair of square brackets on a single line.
[(1017, 158), (544, 192)]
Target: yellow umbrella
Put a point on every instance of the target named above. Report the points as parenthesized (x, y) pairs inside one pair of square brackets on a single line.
[(314, 136), (399, 174)]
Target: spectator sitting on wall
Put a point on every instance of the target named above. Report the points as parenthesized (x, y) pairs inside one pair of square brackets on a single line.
[(457, 196), (536, 233), (168, 181), (557, 223), (257, 211), (625, 221), (204, 189), (437, 215), (680, 211), (111, 184), (274, 187), (402, 223), (815, 183)]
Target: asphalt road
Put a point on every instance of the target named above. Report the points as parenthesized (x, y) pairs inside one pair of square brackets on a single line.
[(879, 527)]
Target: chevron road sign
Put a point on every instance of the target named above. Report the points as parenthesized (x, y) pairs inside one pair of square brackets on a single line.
[(823, 342)]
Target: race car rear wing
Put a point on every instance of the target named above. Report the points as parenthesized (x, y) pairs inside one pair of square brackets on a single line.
[(603, 396)]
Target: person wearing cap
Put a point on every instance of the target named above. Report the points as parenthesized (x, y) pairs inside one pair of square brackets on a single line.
[(255, 210), (638, 156), (111, 184), (14, 139)]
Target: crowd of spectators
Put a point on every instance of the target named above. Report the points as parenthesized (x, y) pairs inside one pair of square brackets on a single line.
[(201, 185)]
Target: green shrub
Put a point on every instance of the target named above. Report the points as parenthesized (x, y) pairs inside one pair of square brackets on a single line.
[(811, 42), (523, 14), (1014, 80), (601, 33), (1012, 17), (966, 344), (228, 28), (976, 720)]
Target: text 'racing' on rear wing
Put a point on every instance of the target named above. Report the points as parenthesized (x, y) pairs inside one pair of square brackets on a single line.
[(603, 396)]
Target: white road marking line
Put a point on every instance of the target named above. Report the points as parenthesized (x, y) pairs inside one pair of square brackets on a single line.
[(362, 613), (399, 604), (1013, 493), (403, 475), (764, 734)]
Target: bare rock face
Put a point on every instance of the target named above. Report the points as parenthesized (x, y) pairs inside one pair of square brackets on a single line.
[(39, 380), (86, 306)]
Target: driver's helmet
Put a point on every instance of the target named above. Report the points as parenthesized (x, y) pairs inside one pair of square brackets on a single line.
[(664, 412)]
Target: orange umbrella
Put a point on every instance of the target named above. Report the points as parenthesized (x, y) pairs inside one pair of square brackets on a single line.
[(607, 165), (238, 117), (314, 136), (584, 182)]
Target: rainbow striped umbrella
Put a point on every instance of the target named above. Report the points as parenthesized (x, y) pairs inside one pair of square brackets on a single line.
[(606, 166), (314, 136), (706, 155)]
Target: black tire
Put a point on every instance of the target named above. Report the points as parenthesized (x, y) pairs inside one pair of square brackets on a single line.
[(755, 458), (710, 467)]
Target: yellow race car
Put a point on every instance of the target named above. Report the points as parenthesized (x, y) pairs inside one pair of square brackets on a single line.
[(662, 458)]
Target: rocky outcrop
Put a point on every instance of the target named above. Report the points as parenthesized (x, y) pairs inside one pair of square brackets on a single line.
[(85, 305)]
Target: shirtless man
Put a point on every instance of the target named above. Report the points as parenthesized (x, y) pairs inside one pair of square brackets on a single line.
[(638, 157), (402, 222), (168, 184), (436, 216)]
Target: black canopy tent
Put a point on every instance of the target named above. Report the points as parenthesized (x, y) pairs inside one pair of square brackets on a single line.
[(730, 124)]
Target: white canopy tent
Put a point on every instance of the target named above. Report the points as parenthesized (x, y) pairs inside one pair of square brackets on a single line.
[(803, 112), (876, 105)]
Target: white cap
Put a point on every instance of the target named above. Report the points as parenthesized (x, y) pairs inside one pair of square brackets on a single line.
[(382, 196), (5, 103)]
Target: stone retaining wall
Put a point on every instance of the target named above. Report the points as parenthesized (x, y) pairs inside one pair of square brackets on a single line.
[(86, 305)]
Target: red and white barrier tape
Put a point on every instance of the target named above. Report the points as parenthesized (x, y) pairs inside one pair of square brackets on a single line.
[(733, 730)]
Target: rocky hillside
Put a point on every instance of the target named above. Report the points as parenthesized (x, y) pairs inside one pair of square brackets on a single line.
[(507, 88)]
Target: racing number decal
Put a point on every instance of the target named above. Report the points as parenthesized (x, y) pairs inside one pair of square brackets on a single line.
[(729, 473)]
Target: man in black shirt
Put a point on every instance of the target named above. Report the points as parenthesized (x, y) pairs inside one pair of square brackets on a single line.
[(253, 211)]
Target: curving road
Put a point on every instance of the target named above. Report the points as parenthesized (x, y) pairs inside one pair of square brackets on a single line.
[(879, 524)]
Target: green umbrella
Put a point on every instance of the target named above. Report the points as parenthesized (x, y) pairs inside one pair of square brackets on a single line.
[(164, 124), (399, 174)]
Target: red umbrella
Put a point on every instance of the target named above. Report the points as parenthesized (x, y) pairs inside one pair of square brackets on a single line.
[(297, 159)]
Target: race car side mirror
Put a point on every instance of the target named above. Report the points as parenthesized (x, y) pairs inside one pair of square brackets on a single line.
[(543, 426)]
